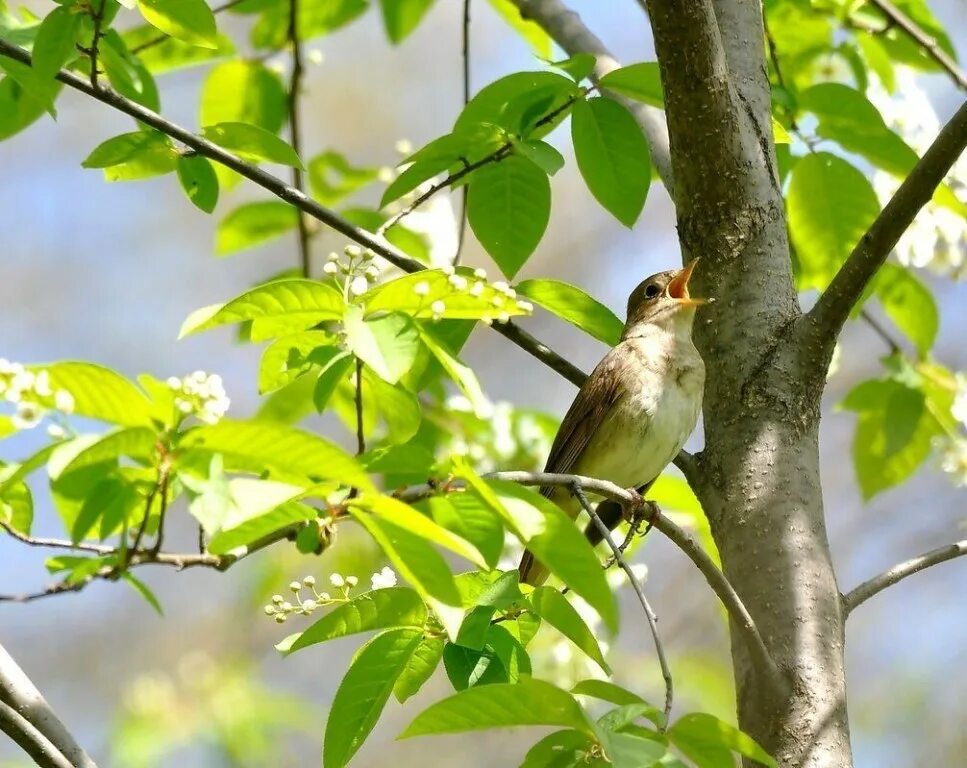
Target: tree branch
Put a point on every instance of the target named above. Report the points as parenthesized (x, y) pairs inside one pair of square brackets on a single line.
[(618, 556), (21, 697), (465, 57), (825, 320), (30, 740), (897, 573), (569, 32), (380, 246), (921, 38), (681, 538), (295, 134)]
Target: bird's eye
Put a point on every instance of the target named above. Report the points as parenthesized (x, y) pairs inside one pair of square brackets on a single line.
[(652, 291)]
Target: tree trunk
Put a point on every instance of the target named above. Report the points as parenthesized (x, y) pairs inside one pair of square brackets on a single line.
[(758, 477)]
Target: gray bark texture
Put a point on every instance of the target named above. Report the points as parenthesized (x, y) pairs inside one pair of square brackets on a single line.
[(759, 472)]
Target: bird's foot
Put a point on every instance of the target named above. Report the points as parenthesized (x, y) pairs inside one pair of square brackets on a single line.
[(639, 510)]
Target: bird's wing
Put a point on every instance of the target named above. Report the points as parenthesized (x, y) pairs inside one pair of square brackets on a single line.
[(604, 388)]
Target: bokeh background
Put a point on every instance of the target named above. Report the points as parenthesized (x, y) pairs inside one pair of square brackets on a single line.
[(107, 273)]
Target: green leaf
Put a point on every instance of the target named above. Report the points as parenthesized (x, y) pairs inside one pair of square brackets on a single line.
[(561, 749), (199, 181), (641, 82), (413, 176), (709, 742), (263, 522), (503, 705), (555, 609), (386, 344), (508, 208), (252, 143), (461, 374), (513, 103), (553, 538), (36, 87), (894, 433), (54, 44), (472, 521), (363, 693), (573, 305), (578, 66), (379, 609), (190, 21), (241, 91), (541, 154), (17, 506), (607, 691), (136, 442), (18, 108), (401, 17), (127, 75), (419, 563), (249, 514), (172, 54), (419, 667), (830, 205), (112, 502), (281, 448), (132, 156), (398, 407), (316, 17), (909, 304), (331, 375), (532, 32), (847, 117), (332, 177), (100, 393), (142, 589), (304, 302), (877, 59), (416, 294), (394, 511), (287, 358), (626, 750), (501, 659), (612, 155), (253, 224)]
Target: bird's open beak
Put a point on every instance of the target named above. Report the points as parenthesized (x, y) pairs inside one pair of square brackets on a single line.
[(678, 287)]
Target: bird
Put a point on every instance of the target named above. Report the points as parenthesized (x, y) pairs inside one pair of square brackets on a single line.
[(637, 408)]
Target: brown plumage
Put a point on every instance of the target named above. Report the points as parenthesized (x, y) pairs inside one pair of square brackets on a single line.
[(638, 406)]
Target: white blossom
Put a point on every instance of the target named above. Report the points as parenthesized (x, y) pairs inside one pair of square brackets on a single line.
[(331, 267), (384, 579), (480, 273), (404, 147), (422, 288), (959, 408), (359, 285), (953, 460), (337, 580), (28, 415)]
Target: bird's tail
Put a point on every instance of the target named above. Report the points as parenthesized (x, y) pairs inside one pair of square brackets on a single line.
[(535, 573)]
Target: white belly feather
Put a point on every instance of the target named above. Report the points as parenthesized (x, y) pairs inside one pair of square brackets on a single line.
[(648, 428)]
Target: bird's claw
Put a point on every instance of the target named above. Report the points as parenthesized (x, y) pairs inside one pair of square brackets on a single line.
[(638, 509)]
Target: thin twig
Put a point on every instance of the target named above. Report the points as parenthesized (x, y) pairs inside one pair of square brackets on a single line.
[(822, 324), (379, 245), (898, 572), (164, 38), (496, 156), (774, 57), (649, 613), (295, 133), (162, 512), (462, 227), (98, 18), (920, 37), (34, 541), (880, 331), (360, 435)]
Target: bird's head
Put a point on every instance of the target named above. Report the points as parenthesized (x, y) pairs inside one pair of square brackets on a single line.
[(663, 301)]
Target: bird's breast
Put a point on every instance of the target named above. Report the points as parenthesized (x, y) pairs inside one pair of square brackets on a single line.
[(650, 424)]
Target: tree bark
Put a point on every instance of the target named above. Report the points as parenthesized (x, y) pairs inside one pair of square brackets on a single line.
[(760, 484)]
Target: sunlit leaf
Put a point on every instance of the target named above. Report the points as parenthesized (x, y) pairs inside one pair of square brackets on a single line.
[(575, 306)]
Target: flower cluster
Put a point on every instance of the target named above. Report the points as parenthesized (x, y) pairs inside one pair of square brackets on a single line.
[(937, 239), (358, 269), (953, 447), (200, 394), (280, 609), (498, 294), (33, 396)]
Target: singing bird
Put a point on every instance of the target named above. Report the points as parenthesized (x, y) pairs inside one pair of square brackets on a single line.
[(639, 405)]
